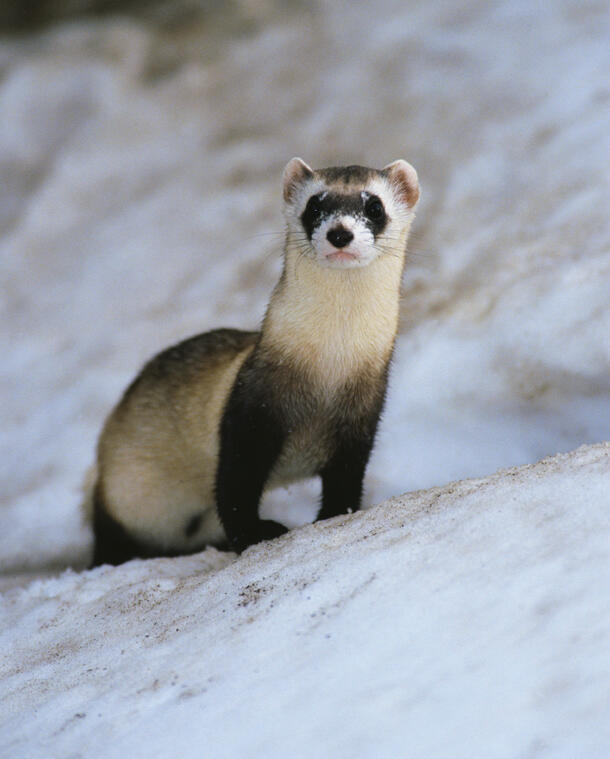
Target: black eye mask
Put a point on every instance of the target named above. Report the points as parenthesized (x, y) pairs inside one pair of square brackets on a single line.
[(359, 205)]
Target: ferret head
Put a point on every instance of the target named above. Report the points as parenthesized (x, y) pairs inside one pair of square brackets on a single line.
[(345, 217)]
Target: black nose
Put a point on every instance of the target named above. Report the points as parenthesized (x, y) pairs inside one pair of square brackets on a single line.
[(339, 237)]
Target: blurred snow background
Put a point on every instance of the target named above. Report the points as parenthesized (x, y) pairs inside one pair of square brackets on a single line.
[(141, 150)]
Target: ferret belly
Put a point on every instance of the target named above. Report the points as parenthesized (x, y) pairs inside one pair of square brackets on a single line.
[(303, 454)]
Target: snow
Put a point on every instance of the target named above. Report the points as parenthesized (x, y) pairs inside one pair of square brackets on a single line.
[(460, 621), (139, 204)]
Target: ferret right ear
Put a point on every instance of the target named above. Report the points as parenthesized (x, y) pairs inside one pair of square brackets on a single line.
[(295, 173), (403, 178)]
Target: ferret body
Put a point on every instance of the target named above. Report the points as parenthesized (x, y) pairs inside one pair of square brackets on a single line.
[(212, 422)]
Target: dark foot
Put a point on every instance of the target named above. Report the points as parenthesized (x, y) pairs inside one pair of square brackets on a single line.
[(262, 529)]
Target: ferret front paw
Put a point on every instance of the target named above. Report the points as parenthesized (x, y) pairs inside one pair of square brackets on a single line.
[(262, 529)]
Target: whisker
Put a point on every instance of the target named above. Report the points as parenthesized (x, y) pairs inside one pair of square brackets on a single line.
[(268, 233)]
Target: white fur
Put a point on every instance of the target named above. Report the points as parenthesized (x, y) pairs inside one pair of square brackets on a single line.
[(333, 323)]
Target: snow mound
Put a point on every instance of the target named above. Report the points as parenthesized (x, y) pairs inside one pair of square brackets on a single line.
[(466, 620)]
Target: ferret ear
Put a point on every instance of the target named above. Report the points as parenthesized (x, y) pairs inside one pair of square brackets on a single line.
[(403, 178), (296, 172)]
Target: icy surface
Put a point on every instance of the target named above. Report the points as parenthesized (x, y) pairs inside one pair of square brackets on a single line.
[(460, 621), (139, 204)]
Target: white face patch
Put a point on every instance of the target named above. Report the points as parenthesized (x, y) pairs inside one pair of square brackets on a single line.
[(359, 251)]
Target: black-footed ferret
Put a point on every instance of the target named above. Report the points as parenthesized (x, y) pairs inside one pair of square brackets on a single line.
[(212, 422)]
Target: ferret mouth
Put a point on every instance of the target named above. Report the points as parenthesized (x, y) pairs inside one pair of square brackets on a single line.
[(348, 257), (342, 256)]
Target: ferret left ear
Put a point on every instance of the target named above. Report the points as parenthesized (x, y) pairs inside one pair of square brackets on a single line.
[(296, 172), (403, 177)]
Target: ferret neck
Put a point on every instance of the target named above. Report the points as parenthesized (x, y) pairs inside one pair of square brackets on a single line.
[(334, 321)]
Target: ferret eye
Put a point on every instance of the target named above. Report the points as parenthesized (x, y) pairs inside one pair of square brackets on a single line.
[(312, 215), (314, 209), (373, 208)]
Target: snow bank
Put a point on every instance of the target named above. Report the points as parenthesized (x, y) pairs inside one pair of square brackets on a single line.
[(468, 620)]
